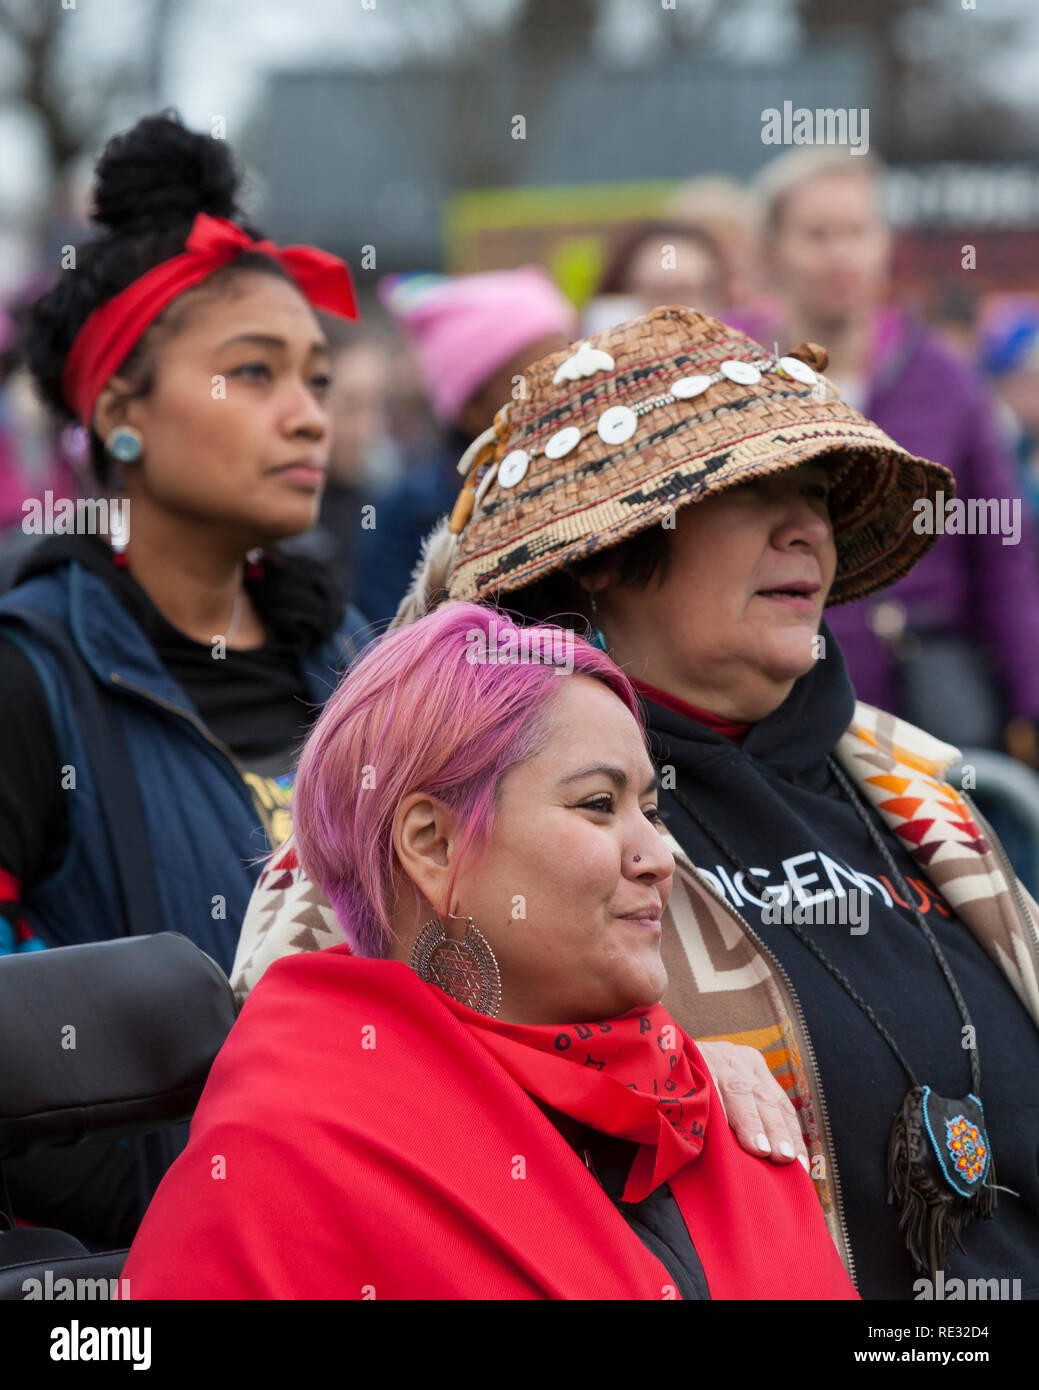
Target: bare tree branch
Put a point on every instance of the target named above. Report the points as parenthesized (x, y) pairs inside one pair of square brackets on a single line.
[(914, 108), (13, 24)]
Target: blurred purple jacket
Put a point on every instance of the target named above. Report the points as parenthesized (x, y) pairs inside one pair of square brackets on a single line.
[(933, 404)]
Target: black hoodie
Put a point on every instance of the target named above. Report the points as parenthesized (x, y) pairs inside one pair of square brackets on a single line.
[(776, 805)]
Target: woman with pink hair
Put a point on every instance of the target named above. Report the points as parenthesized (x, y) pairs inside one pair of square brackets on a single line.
[(480, 1096)]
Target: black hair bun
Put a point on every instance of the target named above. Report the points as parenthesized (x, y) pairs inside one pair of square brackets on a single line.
[(160, 171)]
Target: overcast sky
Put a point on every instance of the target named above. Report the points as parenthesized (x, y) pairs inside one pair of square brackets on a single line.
[(218, 51)]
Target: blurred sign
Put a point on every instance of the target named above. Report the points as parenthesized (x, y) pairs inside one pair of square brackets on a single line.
[(948, 219), (567, 230), (978, 195)]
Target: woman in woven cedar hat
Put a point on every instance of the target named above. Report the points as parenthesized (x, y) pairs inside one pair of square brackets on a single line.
[(700, 502), (837, 904)]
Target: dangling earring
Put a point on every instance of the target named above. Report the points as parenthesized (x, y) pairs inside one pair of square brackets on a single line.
[(253, 564), (466, 970), (595, 635), (124, 445)]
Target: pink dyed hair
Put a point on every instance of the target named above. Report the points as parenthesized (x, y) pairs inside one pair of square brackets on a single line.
[(419, 713)]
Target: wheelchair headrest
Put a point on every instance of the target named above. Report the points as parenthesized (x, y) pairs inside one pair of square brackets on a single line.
[(106, 1041)]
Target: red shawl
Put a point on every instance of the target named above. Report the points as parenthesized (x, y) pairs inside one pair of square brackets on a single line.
[(362, 1135)]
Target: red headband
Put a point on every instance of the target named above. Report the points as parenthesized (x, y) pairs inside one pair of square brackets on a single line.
[(106, 338)]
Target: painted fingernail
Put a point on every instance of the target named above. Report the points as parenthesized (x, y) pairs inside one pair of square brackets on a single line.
[(786, 1149), (763, 1144), (803, 1162)]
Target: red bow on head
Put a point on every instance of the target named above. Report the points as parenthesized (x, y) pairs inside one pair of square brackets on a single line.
[(109, 334), (323, 278)]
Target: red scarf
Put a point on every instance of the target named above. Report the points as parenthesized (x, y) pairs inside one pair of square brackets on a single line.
[(729, 728), (636, 1077), (362, 1135)]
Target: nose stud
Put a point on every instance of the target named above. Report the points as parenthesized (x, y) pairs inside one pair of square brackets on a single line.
[(637, 859)]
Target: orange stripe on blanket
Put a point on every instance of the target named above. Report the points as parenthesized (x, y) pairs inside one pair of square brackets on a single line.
[(928, 765), (778, 1057), (900, 754), (755, 1037), (904, 806), (888, 783)]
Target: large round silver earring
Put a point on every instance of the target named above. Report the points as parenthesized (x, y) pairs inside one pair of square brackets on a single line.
[(123, 445), (466, 970)]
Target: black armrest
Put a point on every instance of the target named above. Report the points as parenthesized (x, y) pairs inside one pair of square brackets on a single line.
[(106, 1041)]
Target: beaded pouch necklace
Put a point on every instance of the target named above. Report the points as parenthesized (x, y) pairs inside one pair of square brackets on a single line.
[(940, 1170)]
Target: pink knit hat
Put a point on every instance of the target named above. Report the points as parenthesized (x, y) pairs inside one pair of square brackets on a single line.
[(465, 327)]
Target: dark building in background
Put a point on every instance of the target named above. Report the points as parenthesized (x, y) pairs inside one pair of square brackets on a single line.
[(361, 158)]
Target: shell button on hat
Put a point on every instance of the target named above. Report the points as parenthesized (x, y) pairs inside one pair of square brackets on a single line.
[(513, 468)]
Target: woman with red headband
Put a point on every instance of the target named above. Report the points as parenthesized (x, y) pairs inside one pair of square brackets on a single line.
[(158, 668)]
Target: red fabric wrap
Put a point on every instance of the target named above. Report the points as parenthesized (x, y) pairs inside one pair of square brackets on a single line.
[(111, 331), (363, 1136), (631, 1076)]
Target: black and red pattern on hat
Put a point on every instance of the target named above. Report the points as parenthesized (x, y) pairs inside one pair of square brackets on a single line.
[(614, 435)]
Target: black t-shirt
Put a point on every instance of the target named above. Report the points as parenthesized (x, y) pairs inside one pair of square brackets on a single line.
[(775, 804), (256, 702)]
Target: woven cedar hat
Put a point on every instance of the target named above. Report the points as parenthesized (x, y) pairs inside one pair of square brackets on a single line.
[(615, 434)]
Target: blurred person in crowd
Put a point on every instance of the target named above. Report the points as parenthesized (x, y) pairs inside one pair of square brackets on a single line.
[(365, 462), (158, 670), (473, 335), (698, 502), (542, 1037), (955, 319), (412, 423), (358, 405), (1010, 359), (33, 459), (955, 644), (12, 491), (658, 263), (727, 212)]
